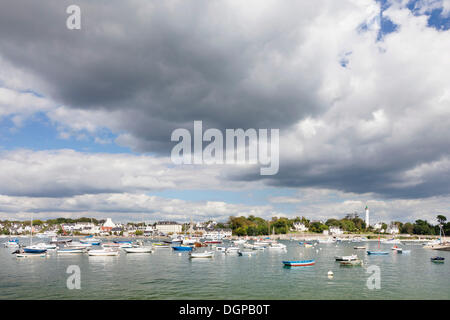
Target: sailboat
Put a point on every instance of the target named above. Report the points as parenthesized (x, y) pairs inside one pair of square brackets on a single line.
[(378, 253), (442, 245), (32, 250), (12, 243)]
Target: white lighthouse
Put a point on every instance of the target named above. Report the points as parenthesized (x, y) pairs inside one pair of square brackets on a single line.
[(367, 217)]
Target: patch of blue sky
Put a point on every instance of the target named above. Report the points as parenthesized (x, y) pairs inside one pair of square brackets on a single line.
[(436, 18), (39, 133)]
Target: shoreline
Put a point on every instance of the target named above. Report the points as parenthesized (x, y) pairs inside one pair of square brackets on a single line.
[(289, 236)]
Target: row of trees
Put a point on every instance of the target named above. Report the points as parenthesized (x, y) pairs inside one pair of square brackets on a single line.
[(255, 226)]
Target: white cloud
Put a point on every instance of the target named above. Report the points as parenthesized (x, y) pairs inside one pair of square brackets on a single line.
[(125, 207)]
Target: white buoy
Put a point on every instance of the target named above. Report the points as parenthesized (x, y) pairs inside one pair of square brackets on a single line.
[(317, 251), (330, 274)]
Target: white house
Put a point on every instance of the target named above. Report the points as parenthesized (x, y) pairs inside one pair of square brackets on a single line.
[(298, 226), (167, 227), (335, 230), (393, 229)]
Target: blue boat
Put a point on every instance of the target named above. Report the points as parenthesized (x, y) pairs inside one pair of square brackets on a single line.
[(182, 248), (378, 253), (90, 242), (33, 249), (299, 263)]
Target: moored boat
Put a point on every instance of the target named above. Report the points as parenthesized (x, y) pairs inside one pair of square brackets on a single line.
[(71, 250), (346, 258), (356, 262), (277, 245), (31, 255), (299, 263), (12, 243), (182, 248), (438, 259), (378, 253), (138, 250), (103, 252), (206, 254)]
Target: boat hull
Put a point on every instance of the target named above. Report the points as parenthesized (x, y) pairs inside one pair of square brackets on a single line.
[(34, 251), (378, 253), (302, 263), (103, 253), (182, 248), (202, 255), (138, 250)]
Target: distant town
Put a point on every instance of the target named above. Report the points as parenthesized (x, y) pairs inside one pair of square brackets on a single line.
[(235, 226)]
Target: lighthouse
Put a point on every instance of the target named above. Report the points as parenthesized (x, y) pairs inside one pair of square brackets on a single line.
[(367, 217)]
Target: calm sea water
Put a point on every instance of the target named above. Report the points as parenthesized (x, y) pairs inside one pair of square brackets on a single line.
[(171, 275)]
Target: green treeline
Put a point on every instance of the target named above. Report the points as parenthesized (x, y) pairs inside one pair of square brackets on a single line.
[(255, 226)]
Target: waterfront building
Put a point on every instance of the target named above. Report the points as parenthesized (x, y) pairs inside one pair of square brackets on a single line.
[(298, 226), (335, 230), (393, 229), (108, 225), (167, 227)]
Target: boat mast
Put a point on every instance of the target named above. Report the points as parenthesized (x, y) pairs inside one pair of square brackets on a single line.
[(31, 225)]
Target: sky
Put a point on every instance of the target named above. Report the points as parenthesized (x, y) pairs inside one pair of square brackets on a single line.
[(359, 90)]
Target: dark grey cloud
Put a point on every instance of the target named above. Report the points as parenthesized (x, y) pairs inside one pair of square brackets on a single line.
[(167, 64)]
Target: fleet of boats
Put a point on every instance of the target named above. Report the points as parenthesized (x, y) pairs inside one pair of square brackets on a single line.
[(94, 247)]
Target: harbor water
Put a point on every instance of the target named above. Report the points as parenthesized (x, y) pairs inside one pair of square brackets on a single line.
[(168, 274)]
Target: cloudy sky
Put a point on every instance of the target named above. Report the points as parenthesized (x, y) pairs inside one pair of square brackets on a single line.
[(359, 89)]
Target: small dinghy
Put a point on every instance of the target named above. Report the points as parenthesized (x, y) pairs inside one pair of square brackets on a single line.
[(378, 253), (299, 263), (31, 255), (359, 248), (182, 248), (346, 258), (103, 252), (438, 259), (138, 250), (206, 254), (356, 262), (34, 249), (71, 250), (277, 245)]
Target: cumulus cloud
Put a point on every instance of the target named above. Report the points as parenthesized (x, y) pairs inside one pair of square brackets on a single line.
[(125, 207), (61, 173)]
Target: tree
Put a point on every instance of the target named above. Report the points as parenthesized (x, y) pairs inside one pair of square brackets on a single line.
[(407, 228), (441, 219), (317, 227)]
